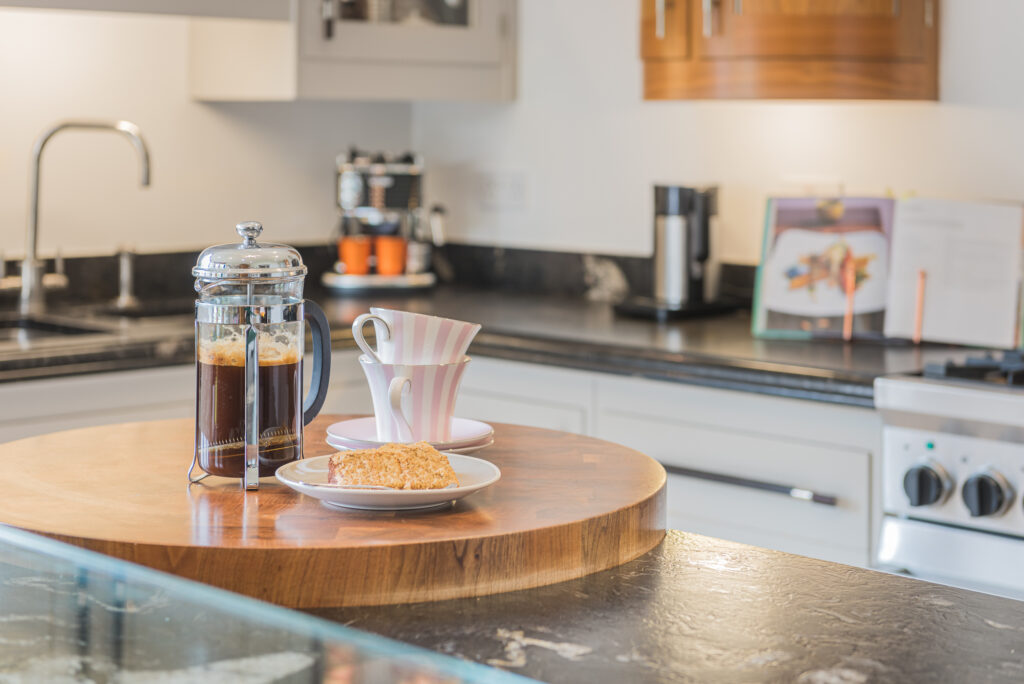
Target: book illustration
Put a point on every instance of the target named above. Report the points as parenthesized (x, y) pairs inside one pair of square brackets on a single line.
[(805, 272), (828, 269)]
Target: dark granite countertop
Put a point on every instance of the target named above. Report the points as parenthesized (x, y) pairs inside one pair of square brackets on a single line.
[(717, 352), (697, 609)]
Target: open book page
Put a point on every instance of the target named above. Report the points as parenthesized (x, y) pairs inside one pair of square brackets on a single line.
[(970, 253)]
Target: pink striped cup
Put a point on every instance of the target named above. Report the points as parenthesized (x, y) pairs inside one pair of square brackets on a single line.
[(424, 412), (406, 337)]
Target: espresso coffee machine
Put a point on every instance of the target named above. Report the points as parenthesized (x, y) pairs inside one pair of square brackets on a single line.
[(380, 201), (682, 221)]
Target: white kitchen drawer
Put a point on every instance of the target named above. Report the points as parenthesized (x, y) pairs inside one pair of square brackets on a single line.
[(348, 392), (39, 406), (494, 390), (767, 519), (520, 411), (728, 409)]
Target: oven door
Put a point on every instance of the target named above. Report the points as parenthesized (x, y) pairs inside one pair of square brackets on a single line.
[(979, 561)]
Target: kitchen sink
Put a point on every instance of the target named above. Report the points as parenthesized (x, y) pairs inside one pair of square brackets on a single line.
[(153, 309), (26, 328)]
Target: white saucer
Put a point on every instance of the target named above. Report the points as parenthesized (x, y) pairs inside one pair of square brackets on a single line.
[(361, 433), (342, 445), (309, 476)]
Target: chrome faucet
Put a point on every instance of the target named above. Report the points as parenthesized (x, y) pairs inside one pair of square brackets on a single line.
[(32, 290)]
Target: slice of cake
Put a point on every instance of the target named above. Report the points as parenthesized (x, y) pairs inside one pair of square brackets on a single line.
[(399, 466)]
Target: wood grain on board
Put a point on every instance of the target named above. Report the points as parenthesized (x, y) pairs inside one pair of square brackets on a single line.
[(565, 506)]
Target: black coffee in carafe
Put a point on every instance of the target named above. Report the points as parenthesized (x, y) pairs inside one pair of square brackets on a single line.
[(220, 399)]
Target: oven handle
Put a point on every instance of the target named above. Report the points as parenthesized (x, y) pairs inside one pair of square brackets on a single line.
[(793, 492)]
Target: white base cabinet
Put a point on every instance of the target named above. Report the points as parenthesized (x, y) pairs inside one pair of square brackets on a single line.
[(527, 394), (39, 406), (348, 392), (753, 441), (810, 447)]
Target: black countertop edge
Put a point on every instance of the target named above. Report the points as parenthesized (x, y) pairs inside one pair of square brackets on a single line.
[(738, 376), (794, 383)]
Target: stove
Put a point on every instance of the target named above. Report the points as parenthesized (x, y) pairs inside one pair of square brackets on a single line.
[(953, 474), (1002, 368)]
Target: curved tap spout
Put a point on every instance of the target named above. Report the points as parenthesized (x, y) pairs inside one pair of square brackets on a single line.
[(32, 268)]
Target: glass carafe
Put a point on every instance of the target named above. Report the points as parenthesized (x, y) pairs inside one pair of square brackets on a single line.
[(250, 318)]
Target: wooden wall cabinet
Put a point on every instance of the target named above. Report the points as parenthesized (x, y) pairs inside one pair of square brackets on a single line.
[(778, 49)]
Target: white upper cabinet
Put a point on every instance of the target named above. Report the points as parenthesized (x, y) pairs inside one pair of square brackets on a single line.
[(282, 50), (249, 9), (359, 50), (417, 31)]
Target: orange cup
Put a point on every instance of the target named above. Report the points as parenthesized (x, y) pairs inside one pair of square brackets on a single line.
[(390, 255), (354, 253)]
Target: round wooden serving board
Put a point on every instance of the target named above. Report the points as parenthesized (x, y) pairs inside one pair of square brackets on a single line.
[(565, 506)]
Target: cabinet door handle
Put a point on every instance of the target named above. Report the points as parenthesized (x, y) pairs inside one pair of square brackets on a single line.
[(737, 7), (929, 13), (659, 19), (787, 490), (707, 10), (327, 15)]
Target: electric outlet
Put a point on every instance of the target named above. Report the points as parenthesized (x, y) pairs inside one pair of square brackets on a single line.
[(502, 190)]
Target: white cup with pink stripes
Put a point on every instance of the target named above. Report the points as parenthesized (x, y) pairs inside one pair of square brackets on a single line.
[(407, 337), (413, 402)]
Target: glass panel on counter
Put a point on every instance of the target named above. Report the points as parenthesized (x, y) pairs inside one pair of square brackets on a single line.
[(437, 12), (73, 615)]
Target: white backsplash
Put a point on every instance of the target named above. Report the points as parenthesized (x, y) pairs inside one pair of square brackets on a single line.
[(570, 165), (212, 165)]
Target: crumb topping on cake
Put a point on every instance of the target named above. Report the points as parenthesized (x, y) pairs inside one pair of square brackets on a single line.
[(400, 466)]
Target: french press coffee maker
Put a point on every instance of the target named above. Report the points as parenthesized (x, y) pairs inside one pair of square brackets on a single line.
[(250, 318)]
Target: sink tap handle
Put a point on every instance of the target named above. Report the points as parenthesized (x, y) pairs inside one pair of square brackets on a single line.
[(125, 278)]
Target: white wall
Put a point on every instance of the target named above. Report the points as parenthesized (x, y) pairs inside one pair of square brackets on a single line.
[(570, 165), (212, 165)]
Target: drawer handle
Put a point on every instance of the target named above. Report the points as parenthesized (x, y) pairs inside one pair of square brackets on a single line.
[(793, 492)]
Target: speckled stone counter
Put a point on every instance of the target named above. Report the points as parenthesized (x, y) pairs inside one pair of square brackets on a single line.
[(718, 351), (698, 609)]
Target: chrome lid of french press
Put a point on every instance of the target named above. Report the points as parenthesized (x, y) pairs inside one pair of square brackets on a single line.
[(249, 259)]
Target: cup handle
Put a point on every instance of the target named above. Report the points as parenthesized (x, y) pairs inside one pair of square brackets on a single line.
[(398, 384), (357, 333), (314, 315)]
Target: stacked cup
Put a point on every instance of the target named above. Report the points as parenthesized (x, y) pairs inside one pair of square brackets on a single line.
[(414, 373)]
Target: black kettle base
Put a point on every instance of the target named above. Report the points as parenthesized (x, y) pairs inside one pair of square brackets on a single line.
[(648, 307)]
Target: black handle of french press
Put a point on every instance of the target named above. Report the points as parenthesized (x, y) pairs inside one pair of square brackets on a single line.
[(317, 394)]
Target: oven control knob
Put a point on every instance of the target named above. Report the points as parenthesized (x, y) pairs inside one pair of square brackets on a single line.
[(923, 485), (986, 494)]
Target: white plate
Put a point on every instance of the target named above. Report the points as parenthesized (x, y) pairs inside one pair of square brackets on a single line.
[(361, 433), (341, 445), (309, 476)]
